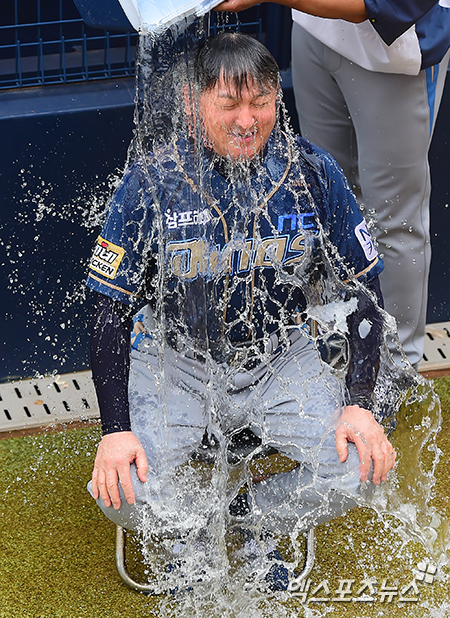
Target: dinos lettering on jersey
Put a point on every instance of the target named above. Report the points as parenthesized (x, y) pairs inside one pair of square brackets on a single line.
[(193, 257), (106, 258)]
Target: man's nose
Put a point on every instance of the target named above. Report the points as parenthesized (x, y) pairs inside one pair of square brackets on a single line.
[(246, 118)]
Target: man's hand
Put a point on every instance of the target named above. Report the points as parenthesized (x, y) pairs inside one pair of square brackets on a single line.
[(115, 453), (350, 10), (359, 426), (235, 6)]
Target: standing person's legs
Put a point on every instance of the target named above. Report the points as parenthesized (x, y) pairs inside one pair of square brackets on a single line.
[(322, 111), (393, 124)]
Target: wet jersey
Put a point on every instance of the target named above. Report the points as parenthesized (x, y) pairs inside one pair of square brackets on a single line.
[(231, 258)]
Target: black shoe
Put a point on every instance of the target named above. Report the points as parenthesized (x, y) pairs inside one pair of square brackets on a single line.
[(278, 576)]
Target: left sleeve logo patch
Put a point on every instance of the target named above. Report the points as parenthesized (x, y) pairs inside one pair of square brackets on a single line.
[(106, 258), (366, 241)]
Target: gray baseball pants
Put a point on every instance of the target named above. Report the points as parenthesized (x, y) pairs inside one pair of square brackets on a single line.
[(291, 402), (378, 126)]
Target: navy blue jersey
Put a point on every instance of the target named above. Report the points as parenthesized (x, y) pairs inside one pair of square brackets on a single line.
[(232, 261)]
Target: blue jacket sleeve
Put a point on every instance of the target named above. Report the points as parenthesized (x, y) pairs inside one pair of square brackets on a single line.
[(392, 18), (110, 362), (365, 338)]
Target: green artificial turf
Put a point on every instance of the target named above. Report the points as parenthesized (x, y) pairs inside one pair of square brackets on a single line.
[(57, 549)]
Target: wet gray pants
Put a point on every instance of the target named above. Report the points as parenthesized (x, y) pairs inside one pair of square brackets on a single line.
[(378, 126), (292, 402)]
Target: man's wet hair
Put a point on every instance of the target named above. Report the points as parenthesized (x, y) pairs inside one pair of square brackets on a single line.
[(236, 57)]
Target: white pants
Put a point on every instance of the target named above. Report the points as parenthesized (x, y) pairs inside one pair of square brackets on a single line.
[(291, 403), (378, 126)]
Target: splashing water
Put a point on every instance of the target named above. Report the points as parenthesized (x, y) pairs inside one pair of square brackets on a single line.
[(215, 521), (212, 558), (192, 544)]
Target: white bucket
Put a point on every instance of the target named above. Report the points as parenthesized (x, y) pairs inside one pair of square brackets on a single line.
[(157, 14)]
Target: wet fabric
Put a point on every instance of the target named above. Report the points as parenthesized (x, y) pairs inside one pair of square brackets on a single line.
[(110, 362), (110, 353), (215, 259), (223, 260), (292, 402)]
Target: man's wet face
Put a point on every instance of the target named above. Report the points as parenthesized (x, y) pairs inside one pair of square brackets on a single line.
[(238, 124)]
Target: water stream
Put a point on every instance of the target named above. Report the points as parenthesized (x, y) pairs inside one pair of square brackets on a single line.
[(205, 557), (212, 562)]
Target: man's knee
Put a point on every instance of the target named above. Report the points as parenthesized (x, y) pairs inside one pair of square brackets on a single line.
[(127, 515)]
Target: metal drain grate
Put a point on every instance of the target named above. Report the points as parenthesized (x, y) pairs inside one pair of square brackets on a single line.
[(437, 347), (71, 396), (43, 401)]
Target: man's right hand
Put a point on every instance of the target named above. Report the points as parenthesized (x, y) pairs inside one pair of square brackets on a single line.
[(115, 453)]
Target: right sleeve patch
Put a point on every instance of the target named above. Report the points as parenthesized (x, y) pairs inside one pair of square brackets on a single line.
[(106, 258), (366, 241)]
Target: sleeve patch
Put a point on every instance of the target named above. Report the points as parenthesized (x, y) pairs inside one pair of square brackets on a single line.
[(106, 258), (366, 241)]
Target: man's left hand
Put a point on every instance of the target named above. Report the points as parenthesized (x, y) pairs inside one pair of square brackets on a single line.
[(359, 426)]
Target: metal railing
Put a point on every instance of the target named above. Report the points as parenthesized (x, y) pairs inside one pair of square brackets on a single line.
[(45, 42)]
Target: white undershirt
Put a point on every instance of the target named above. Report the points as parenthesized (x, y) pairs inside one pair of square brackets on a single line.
[(361, 44)]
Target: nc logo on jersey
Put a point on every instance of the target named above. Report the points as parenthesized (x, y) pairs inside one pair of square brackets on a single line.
[(366, 241), (106, 258)]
